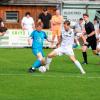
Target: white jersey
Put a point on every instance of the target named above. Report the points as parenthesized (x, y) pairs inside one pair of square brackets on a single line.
[(28, 22), (67, 38)]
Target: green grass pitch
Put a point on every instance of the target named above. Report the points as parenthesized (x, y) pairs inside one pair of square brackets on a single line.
[(62, 82)]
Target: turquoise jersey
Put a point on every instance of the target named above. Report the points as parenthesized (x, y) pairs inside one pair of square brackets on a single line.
[(38, 38)]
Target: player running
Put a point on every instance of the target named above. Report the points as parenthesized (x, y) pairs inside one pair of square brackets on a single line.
[(67, 40), (38, 37)]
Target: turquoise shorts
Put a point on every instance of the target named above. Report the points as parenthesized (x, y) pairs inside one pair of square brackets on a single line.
[(36, 51)]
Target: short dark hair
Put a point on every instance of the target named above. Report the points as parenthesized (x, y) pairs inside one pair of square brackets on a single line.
[(67, 22), (27, 13), (45, 9), (86, 15), (95, 19), (81, 19)]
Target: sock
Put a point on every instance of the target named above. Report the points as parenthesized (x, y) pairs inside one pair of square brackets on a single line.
[(36, 64), (77, 63), (48, 61), (84, 56)]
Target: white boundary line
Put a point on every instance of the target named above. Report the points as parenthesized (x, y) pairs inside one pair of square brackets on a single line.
[(54, 76)]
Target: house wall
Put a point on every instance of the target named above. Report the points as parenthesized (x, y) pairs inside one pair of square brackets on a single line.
[(34, 10)]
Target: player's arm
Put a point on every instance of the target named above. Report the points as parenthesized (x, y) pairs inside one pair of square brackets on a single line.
[(91, 34), (46, 37)]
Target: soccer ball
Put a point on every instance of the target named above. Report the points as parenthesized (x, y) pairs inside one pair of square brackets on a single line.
[(42, 69)]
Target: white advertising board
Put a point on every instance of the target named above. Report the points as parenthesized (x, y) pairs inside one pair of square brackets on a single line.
[(17, 38)]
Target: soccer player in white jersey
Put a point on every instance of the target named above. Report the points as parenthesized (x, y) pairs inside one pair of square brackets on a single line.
[(66, 41)]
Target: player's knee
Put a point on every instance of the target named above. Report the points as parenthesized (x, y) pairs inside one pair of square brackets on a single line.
[(73, 58), (42, 61), (49, 56), (84, 49)]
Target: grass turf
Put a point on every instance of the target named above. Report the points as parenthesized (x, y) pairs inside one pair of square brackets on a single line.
[(62, 82)]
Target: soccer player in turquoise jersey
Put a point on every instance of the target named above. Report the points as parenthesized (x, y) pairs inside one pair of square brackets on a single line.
[(38, 37)]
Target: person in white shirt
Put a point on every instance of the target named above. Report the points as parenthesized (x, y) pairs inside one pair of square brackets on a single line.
[(66, 47), (79, 30), (27, 24), (97, 31)]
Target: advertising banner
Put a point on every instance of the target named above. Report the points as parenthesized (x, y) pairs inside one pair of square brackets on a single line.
[(17, 38), (73, 14)]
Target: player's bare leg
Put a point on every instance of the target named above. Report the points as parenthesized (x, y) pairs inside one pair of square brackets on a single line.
[(41, 58)]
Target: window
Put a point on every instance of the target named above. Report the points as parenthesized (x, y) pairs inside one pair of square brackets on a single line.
[(11, 16)]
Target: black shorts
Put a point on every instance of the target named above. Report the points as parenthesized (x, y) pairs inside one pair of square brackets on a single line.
[(92, 43)]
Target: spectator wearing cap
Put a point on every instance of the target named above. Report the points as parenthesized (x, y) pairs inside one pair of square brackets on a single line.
[(45, 18)]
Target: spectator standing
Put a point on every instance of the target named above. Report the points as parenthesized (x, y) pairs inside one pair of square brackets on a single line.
[(45, 18), (27, 24), (56, 25)]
